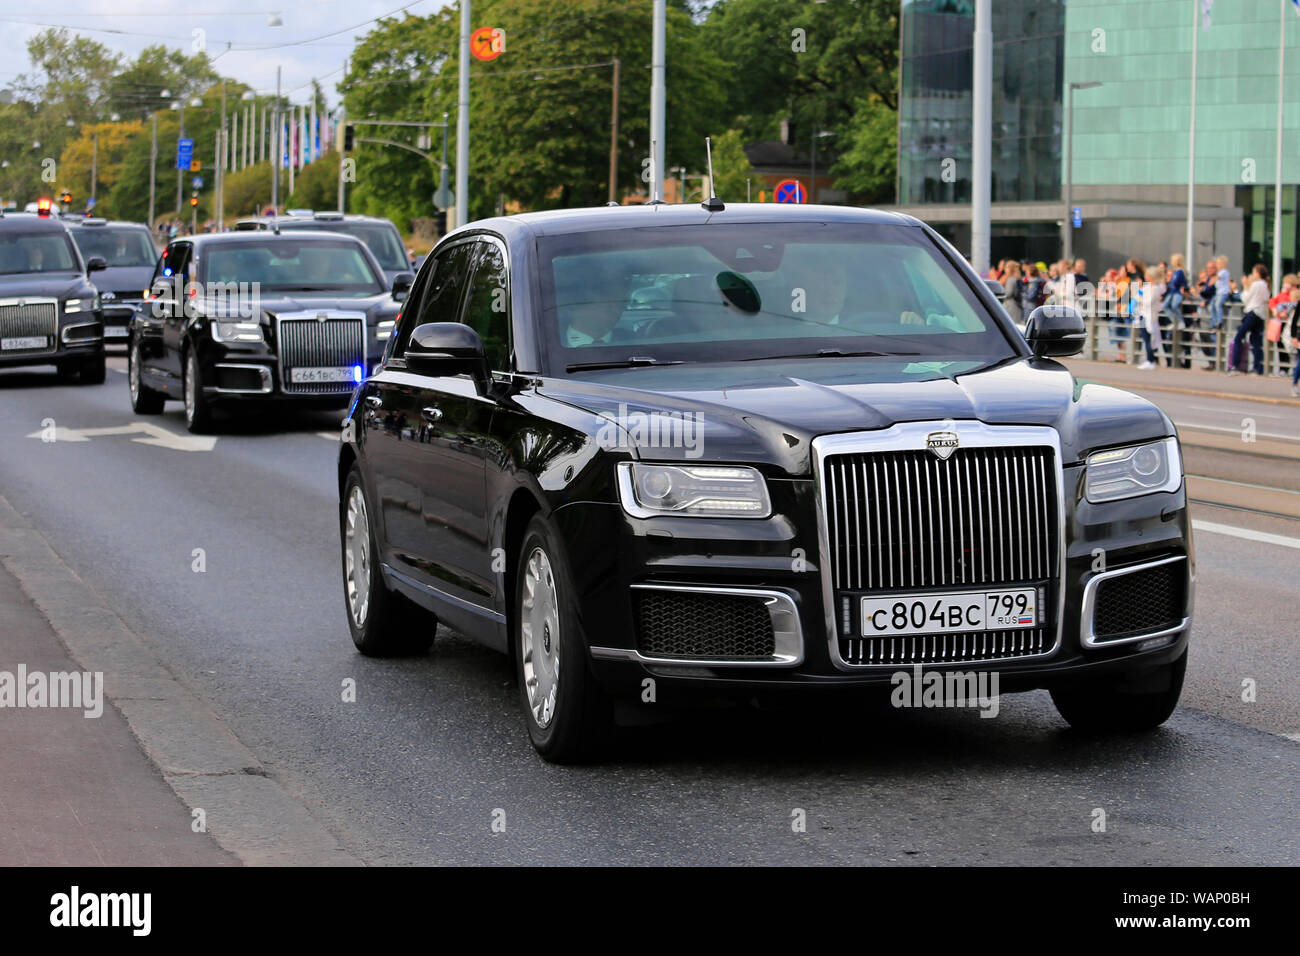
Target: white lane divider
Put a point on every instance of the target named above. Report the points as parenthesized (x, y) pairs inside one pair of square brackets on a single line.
[(1262, 536), (153, 435)]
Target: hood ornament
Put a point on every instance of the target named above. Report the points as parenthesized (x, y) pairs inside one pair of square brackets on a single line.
[(943, 444), (322, 316)]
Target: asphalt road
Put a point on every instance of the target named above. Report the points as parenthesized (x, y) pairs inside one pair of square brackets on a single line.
[(434, 750)]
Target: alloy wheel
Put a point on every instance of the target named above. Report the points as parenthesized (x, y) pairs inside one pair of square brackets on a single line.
[(356, 554), (539, 637)]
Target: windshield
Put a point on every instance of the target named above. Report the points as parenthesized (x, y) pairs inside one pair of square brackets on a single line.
[(292, 265), (381, 237), (119, 245), (27, 252), (751, 291)]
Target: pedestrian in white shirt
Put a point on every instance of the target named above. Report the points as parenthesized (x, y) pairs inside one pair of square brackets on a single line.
[(1150, 296), (1254, 308)]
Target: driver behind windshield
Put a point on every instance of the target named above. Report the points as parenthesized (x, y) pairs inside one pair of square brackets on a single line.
[(590, 299)]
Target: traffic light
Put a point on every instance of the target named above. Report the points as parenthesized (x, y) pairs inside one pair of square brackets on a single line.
[(66, 197), (194, 198), (348, 138)]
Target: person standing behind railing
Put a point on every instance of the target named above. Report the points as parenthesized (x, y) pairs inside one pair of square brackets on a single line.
[(1254, 309), (1011, 282), (1279, 308), (1294, 335), (1150, 294), (1222, 289)]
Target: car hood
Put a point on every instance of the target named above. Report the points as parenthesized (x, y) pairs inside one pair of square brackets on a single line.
[(769, 412), (59, 285), (124, 282)]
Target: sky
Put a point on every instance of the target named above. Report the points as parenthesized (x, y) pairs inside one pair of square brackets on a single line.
[(127, 26)]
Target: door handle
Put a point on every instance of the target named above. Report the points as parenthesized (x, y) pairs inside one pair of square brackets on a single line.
[(374, 401), (432, 414)]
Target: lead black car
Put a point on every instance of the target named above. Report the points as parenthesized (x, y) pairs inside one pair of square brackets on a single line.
[(756, 450)]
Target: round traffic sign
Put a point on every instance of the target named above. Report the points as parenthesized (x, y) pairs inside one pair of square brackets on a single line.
[(790, 190), (487, 43)]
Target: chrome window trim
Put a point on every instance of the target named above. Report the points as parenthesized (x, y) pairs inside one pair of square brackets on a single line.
[(1088, 637), (305, 315), (266, 388), (911, 436), (786, 627)]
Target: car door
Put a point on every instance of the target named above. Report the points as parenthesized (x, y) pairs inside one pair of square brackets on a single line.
[(399, 436), (179, 262), (458, 416)]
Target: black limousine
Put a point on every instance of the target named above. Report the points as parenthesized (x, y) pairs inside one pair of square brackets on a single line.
[(756, 449)]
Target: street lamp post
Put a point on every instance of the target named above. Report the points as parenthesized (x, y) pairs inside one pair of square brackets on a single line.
[(1067, 224)]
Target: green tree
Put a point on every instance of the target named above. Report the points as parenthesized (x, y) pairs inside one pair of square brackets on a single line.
[(316, 185), (868, 162), (731, 169)]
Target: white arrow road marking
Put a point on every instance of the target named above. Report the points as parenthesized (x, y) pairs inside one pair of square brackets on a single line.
[(1247, 533), (155, 435), (330, 436)]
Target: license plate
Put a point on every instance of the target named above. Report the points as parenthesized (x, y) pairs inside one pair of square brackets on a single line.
[(116, 331), (25, 342), (341, 373), (951, 613)]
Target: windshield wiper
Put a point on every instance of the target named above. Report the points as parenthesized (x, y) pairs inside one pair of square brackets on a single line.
[(827, 353), (635, 361)]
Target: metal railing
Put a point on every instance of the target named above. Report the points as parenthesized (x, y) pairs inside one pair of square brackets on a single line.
[(1189, 343)]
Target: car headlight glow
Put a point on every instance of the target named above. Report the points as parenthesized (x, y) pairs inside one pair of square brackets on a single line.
[(705, 491), (237, 332), (1136, 470), (384, 330), (81, 305)]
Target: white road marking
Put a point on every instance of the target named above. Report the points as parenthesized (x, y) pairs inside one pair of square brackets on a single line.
[(1295, 737), (330, 436), (156, 435), (1235, 431), (1262, 536), (1232, 411)]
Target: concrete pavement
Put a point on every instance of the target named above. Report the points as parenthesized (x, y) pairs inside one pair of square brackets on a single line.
[(1190, 381)]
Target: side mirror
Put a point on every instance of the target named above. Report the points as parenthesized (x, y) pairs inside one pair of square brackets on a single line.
[(447, 348), (96, 264), (1055, 331), (402, 283), (997, 288)]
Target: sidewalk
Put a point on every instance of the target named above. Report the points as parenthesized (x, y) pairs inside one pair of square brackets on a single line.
[(1271, 389), (78, 790)]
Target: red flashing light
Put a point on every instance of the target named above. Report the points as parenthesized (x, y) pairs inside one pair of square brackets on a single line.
[(43, 206)]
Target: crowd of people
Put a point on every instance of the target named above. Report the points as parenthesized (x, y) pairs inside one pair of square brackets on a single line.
[(1157, 298)]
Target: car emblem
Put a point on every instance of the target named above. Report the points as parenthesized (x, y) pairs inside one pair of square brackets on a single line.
[(322, 316), (21, 303), (108, 295), (942, 444)]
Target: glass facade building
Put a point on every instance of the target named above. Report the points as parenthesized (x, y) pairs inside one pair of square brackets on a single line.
[(1131, 132)]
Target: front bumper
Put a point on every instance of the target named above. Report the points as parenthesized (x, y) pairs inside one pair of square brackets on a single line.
[(780, 555), (244, 374)]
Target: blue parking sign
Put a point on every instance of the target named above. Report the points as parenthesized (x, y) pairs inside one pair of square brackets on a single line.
[(184, 153), (1077, 214)]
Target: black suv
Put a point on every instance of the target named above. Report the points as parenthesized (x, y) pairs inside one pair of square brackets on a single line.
[(49, 311), (379, 234), (757, 450), (130, 255), (241, 317)]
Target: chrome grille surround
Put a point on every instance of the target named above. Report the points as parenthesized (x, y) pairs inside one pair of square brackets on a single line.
[(30, 316), (302, 339), (912, 437)]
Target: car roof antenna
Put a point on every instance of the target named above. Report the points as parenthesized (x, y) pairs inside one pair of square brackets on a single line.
[(713, 203)]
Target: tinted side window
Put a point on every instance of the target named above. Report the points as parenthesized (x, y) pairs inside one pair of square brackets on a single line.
[(487, 310), (439, 300)]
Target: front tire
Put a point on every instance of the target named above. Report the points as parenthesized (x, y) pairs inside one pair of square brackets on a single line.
[(198, 409), (570, 720), (1120, 705), (144, 400), (383, 623)]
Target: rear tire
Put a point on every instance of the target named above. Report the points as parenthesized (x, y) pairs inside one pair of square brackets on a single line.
[(383, 623), (570, 720), (198, 409), (1115, 705), (144, 400), (92, 371)]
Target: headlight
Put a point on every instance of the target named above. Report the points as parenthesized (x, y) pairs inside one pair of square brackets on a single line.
[(81, 305), (237, 332), (706, 491), (1137, 470), (384, 330)]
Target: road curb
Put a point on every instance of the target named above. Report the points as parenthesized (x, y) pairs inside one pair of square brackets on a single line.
[(247, 811)]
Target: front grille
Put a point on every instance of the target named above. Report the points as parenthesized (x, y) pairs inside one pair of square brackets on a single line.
[(1145, 601), (905, 521), (310, 343), (29, 320), (946, 648), (703, 626)]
